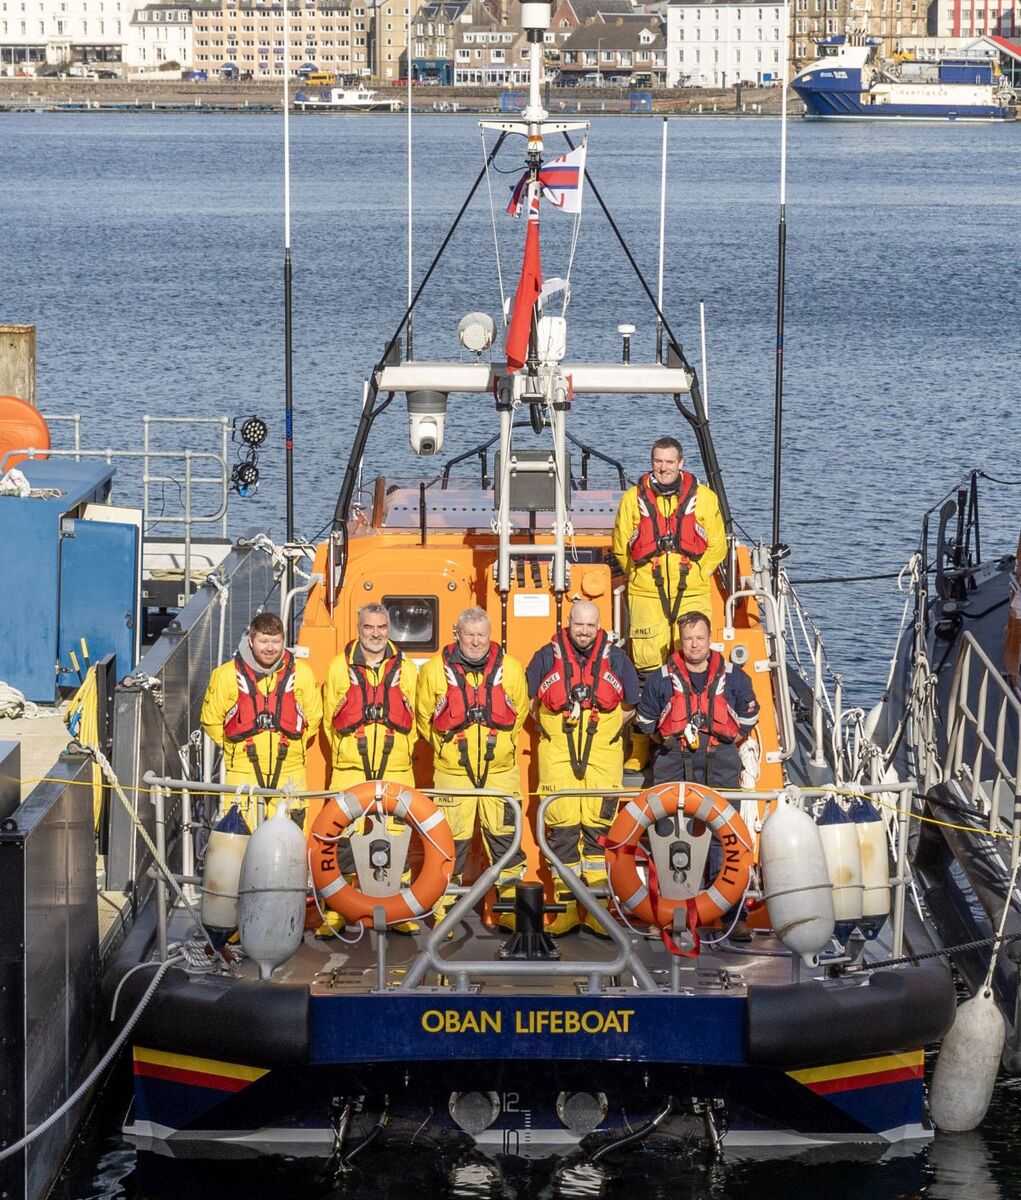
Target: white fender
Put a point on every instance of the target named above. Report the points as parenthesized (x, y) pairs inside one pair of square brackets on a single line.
[(969, 1058), (274, 882), (843, 863), (795, 880), (872, 721), (221, 875), (875, 868)]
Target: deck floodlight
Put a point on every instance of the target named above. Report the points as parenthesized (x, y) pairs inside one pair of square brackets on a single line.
[(476, 332), (244, 477), (254, 431)]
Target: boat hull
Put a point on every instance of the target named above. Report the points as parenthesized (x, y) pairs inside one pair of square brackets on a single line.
[(411, 1055)]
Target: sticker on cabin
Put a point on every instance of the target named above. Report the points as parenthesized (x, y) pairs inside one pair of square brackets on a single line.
[(532, 605)]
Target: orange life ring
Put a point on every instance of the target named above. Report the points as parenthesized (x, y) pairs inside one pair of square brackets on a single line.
[(701, 804), (392, 799)]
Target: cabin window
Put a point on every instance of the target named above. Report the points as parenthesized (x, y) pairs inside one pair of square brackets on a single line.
[(414, 621)]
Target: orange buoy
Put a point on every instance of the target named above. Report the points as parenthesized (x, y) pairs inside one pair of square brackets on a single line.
[(701, 804), (391, 799), (22, 427)]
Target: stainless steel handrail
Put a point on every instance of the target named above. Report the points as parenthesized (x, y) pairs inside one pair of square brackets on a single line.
[(188, 519), (963, 720), (777, 663)]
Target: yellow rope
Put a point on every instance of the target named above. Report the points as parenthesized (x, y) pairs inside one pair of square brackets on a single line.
[(850, 792)]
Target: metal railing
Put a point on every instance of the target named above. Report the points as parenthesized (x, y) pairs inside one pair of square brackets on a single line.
[(777, 661), (147, 425), (187, 457), (463, 972), (980, 736)]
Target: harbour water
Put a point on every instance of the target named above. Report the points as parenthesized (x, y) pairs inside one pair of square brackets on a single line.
[(148, 251)]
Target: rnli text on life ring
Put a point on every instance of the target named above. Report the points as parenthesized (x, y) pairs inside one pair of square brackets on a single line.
[(701, 804), (393, 799)]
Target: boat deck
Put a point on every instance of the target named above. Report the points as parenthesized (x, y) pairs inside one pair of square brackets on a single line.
[(331, 966), (42, 738)]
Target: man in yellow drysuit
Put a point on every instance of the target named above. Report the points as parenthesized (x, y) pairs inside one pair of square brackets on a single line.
[(584, 691), (669, 537), (263, 708), (471, 703), (369, 708)]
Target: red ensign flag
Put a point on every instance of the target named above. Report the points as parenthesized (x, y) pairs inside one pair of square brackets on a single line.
[(529, 287)]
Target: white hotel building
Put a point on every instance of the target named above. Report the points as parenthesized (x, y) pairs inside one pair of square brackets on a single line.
[(33, 32), (723, 43)]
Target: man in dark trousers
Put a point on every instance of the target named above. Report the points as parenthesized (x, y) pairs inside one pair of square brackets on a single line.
[(697, 707)]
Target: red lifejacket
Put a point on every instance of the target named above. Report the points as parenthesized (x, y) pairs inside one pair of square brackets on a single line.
[(605, 690), (680, 533), (255, 713), (720, 724), (486, 705), (367, 703)]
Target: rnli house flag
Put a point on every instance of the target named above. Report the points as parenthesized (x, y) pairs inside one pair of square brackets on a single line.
[(562, 181)]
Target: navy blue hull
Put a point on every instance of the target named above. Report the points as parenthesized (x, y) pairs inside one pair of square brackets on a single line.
[(843, 105), (787, 1065)]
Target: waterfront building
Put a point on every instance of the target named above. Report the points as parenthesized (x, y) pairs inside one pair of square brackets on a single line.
[(389, 40), (487, 52), (61, 32), (333, 36), (568, 15), (718, 45), (976, 18), (158, 36), (621, 51)]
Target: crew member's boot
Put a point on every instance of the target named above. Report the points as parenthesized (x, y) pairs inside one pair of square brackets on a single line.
[(638, 754), (446, 902), (593, 872), (567, 921), (505, 895)]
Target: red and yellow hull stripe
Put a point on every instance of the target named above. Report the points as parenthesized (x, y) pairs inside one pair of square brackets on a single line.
[(865, 1072), (196, 1072)]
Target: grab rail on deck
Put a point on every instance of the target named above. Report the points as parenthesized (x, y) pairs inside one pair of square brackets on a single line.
[(462, 971), (190, 480), (184, 478), (969, 736), (777, 661)]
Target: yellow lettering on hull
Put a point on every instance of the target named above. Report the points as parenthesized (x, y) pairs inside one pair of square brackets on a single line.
[(529, 1022)]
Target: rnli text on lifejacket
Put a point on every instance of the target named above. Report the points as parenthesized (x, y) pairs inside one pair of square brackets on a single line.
[(542, 1020)]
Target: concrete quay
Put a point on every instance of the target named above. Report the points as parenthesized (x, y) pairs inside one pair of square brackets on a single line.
[(264, 95)]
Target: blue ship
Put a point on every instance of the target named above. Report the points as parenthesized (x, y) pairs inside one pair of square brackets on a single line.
[(849, 82)]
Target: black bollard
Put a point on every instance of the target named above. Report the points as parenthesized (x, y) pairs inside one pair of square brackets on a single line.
[(528, 941)]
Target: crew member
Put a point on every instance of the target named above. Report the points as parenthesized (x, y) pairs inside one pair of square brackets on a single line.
[(584, 690), (471, 702), (669, 537), (263, 708), (697, 708), (369, 706), (369, 702)]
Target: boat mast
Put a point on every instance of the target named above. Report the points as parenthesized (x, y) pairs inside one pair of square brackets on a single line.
[(409, 331), (779, 550), (288, 355)]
